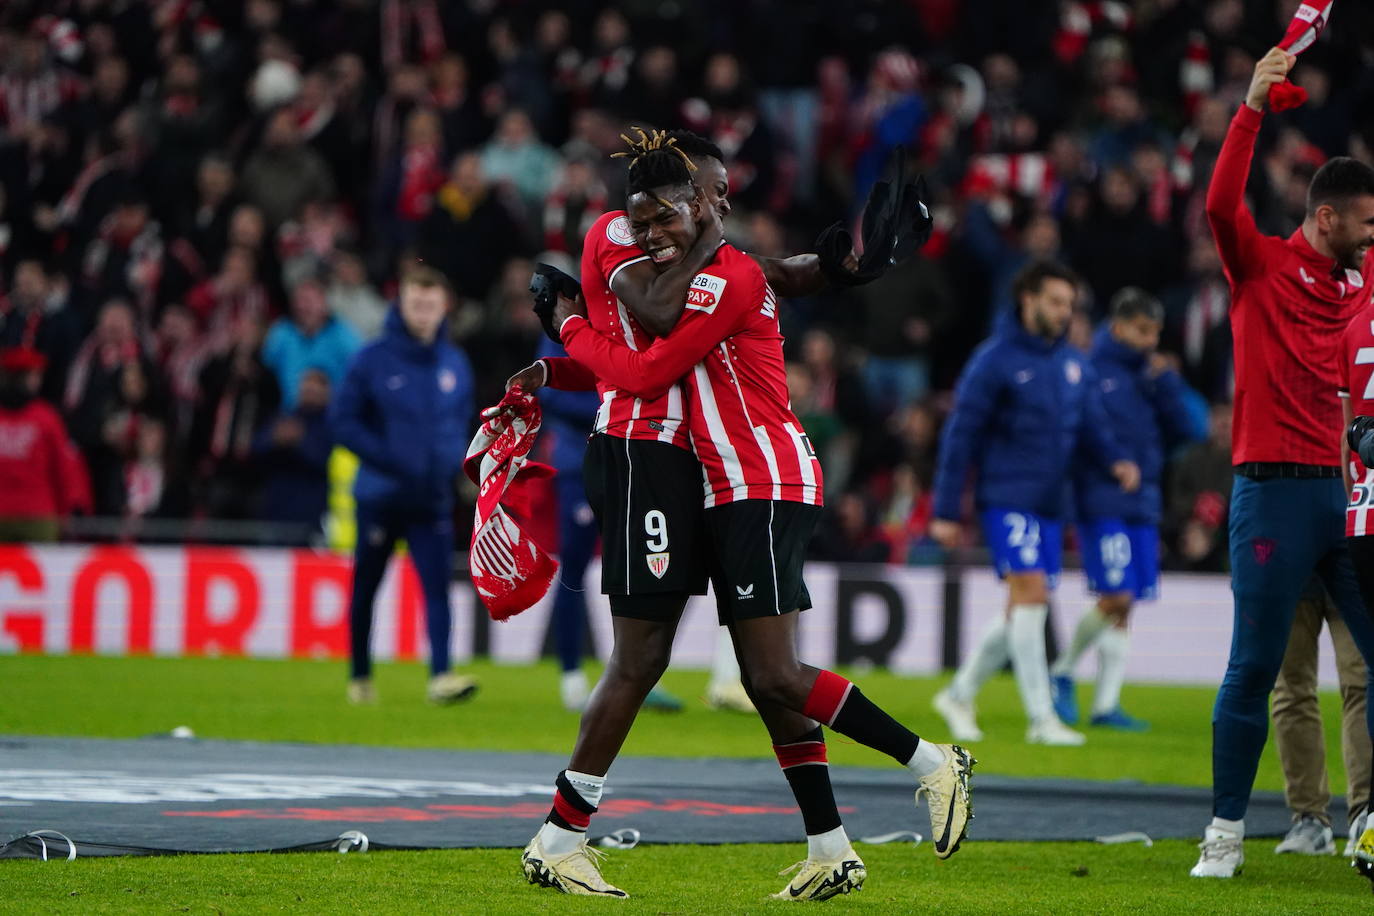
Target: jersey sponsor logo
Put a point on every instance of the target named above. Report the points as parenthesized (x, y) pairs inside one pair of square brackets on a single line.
[(447, 381), (705, 292), (658, 564), (618, 232), (1073, 372)]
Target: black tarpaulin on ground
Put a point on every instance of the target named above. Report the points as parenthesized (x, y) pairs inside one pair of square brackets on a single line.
[(128, 797)]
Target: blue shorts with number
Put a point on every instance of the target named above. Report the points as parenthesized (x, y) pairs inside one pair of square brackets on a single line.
[(1024, 542), (1121, 559)]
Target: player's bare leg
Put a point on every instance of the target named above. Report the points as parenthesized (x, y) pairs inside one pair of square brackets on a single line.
[(768, 657)]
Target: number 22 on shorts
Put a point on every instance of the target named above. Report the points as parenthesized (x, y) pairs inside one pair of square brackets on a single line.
[(656, 542)]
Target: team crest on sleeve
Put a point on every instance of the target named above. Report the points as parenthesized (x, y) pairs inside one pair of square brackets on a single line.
[(1073, 372), (447, 381), (618, 231), (658, 563), (705, 292)]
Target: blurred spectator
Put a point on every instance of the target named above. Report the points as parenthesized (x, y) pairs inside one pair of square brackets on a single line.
[(470, 232), (574, 204), (516, 158), (306, 245), (904, 312), (1117, 244), (199, 231), (905, 519), (1199, 493), (125, 258), (112, 389), (352, 299), (283, 173), (310, 338), (848, 535), (465, 124), (152, 488), (1193, 310), (238, 394), (232, 294), (178, 352), (32, 86), (35, 315), (36, 489), (407, 185), (292, 450)]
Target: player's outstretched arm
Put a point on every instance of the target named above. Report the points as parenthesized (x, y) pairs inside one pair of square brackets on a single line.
[(657, 299), (1233, 226)]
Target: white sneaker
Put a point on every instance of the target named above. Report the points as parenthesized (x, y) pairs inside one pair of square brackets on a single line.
[(451, 687), (573, 690), (1223, 854), (1308, 837), (1053, 733), (729, 697), (361, 692), (1356, 828), (959, 716)]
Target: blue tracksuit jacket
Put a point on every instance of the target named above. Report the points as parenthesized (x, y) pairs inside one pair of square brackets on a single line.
[(1022, 407), (1145, 414), (405, 409)]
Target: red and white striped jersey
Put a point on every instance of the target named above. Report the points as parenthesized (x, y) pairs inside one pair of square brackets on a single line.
[(607, 249), (1357, 384), (729, 347)]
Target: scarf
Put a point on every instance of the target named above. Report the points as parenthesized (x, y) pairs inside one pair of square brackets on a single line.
[(1307, 24)]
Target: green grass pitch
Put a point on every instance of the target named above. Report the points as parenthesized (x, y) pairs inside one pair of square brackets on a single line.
[(303, 701)]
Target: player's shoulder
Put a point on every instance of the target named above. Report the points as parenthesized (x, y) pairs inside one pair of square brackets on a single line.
[(610, 231), (734, 264)]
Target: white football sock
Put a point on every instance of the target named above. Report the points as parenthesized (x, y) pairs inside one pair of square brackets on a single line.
[(725, 666), (927, 759), (588, 786), (828, 846), (1236, 827), (1112, 647), (1090, 627), (986, 659), (560, 841), (1026, 637)]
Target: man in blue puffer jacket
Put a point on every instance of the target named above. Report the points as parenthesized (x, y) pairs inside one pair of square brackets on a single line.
[(1146, 407), (405, 409), (1025, 405)]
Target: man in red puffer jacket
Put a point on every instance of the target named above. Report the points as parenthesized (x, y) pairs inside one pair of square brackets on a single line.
[(37, 471)]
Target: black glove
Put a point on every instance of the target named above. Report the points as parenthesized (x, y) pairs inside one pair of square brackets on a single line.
[(548, 283), (896, 223), (1357, 436)]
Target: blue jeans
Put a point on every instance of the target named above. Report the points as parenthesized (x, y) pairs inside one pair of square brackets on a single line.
[(1282, 531)]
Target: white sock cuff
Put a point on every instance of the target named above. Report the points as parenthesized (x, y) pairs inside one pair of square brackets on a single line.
[(587, 785), (1030, 611), (1236, 827)]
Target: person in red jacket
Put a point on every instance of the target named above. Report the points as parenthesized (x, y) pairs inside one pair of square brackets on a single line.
[(35, 486), (1291, 300)]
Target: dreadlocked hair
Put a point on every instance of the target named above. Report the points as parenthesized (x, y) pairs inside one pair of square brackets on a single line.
[(695, 145), (655, 162)]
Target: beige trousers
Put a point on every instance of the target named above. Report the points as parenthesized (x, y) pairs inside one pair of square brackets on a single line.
[(1298, 722)]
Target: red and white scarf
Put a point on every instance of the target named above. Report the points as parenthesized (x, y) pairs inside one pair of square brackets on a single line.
[(510, 571), (1307, 24)]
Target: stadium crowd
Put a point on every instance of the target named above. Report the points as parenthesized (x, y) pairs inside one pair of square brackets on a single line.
[(204, 205)]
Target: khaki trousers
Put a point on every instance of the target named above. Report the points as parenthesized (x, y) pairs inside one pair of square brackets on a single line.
[(1297, 718)]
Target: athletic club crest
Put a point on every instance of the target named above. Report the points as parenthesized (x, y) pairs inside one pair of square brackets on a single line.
[(658, 564), (447, 381), (1072, 371), (618, 231), (1264, 550)]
